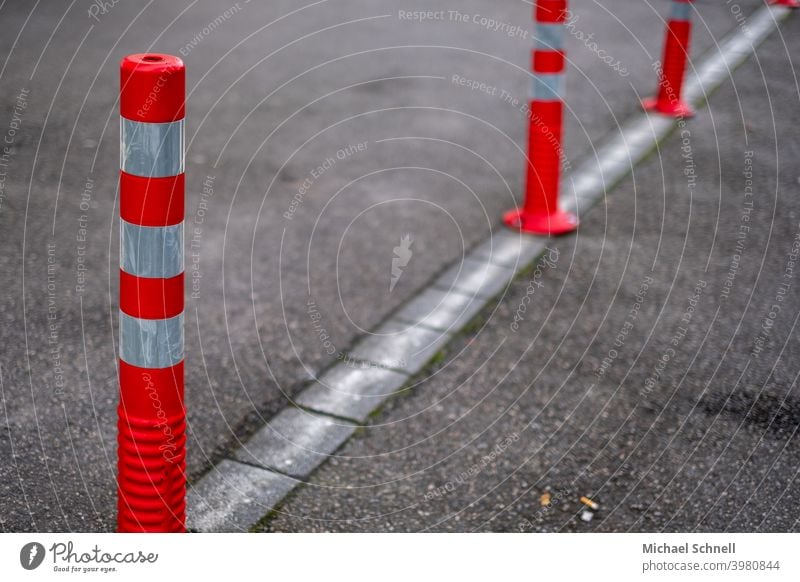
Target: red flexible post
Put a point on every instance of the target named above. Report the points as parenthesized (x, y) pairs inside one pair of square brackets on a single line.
[(540, 213), (676, 54), (152, 420)]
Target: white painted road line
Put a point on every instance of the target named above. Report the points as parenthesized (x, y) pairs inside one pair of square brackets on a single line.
[(235, 496)]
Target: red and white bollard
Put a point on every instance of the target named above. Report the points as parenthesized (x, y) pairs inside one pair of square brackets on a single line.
[(676, 54), (540, 213), (152, 419)]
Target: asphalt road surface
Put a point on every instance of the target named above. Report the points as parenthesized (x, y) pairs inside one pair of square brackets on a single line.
[(319, 135)]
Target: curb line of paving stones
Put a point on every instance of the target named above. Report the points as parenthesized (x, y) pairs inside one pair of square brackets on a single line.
[(240, 490)]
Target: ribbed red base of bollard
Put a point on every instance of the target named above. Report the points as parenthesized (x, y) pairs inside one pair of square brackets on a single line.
[(559, 222), (151, 451), (151, 480)]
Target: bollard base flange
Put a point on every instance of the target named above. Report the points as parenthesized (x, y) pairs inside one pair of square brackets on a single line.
[(677, 109), (559, 222)]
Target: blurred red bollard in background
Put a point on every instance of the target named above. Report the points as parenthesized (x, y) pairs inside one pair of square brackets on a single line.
[(787, 3), (540, 213), (672, 70)]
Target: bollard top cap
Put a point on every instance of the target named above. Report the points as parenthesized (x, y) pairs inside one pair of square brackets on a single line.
[(152, 88)]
